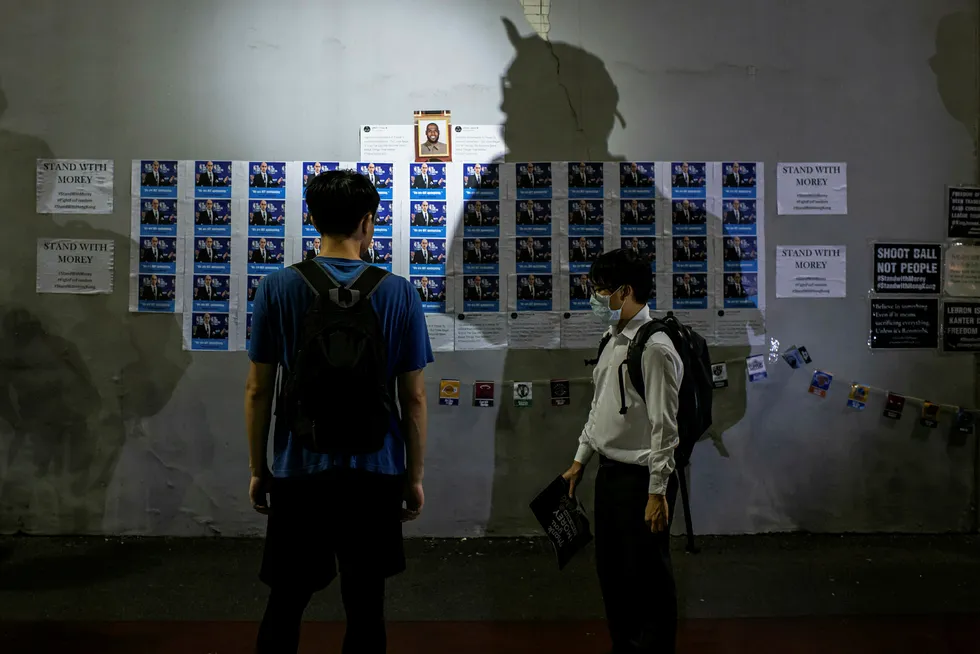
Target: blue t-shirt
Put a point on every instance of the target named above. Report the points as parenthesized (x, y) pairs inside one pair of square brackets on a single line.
[(281, 302)]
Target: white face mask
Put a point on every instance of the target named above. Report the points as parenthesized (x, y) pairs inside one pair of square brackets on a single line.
[(600, 307)]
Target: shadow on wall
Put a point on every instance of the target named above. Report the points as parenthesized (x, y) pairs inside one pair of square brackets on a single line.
[(77, 373), (955, 62), (561, 105)]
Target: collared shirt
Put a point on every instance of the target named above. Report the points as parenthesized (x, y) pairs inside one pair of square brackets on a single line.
[(647, 433)]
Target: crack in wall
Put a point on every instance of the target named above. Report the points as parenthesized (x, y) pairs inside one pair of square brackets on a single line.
[(568, 95)]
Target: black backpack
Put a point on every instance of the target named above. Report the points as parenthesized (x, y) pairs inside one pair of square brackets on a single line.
[(340, 368), (694, 395)]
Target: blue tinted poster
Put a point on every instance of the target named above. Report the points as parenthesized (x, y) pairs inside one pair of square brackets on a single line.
[(534, 292), (481, 181), (265, 254), (689, 217), (534, 217), (642, 246), (212, 254), (158, 179), (428, 256), (481, 218), (741, 254), (533, 254), (690, 254), (637, 179), (481, 255), (638, 217), (427, 181), (579, 292), (582, 251), (209, 331), (311, 247), (481, 293), (533, 181), (739, 217), (248, 329), (158, 217), (211, 293), (212, 217), (252, 287), (428, 218), (267, 179), (585, 180), (690, 291), (383, 219), (158, 254), (688, 180), (157, 293), (432, 292), (740, 290), (381, 175), (212, 179), (313, 168), (739, 180), (585, 217), (379, 252), (267, 218)]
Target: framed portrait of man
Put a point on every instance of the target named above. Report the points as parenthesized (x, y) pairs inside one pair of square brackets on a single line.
[(433, 136)]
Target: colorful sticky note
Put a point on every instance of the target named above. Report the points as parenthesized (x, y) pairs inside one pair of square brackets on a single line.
[(858, 397), (756, 367), (894, 406), (483, 392), (523, 392), (449, 392), (930, 415), (560, 392), (719, 375), (820, 383)]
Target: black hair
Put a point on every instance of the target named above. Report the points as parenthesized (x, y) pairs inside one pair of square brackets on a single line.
[(623, 267), (338, 200)]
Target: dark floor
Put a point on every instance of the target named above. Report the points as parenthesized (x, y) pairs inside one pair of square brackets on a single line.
[(823, 593)]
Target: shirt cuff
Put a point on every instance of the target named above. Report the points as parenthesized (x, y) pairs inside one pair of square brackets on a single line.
[(658, 484), (584, 453)]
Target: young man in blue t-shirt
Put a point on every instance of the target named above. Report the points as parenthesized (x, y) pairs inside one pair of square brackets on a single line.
[(325, 509)]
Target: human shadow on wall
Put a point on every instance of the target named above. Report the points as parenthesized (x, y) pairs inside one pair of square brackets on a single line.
[(955, 67), (77, 373), (561, 105)]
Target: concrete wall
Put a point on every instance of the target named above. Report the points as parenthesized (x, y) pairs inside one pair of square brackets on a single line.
[(107, 426)]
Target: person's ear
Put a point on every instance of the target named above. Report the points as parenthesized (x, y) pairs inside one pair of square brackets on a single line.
[(367, 221)]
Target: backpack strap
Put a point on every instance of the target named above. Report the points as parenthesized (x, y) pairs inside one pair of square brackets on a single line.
[(634, 356), (322, 283)]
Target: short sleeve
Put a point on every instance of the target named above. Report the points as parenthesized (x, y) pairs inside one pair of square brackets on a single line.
[(263, 346), (415, 352)]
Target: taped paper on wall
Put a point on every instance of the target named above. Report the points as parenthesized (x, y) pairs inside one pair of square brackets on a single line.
[(810, 189), (811, 271), (75, 266), (74, 186)]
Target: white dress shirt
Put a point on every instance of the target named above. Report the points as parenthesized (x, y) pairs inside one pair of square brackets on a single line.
[(647, 433)]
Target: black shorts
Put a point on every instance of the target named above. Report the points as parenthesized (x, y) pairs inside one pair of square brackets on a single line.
[(344, 516)]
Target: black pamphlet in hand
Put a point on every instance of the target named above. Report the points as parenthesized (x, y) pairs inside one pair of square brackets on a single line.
[(562, 519)]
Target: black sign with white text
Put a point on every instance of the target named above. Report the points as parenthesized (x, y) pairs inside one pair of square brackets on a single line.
[(961, 327), (908, 268), (963, 212), (904, 324)]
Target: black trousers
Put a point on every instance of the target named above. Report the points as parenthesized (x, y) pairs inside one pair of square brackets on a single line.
[(341, 520), (634, 566)]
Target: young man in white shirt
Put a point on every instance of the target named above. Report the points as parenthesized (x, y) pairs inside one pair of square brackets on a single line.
[(636, 459)]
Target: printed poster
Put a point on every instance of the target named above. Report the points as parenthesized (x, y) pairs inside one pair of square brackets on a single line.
[(811, 189), (811, 271), (74, 186)]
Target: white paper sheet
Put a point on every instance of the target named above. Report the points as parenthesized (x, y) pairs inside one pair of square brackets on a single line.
[(442, 328), (75, 266), (811, 189), (811, 271), (535, 330), (75, 186), (481, 331), (581, 329), (387, 143), (483, 143)]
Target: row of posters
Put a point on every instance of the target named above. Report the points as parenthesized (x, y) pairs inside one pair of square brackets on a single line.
[(474, 238)]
